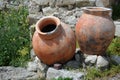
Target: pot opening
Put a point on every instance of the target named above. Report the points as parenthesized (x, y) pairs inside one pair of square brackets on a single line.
[(48, 28)]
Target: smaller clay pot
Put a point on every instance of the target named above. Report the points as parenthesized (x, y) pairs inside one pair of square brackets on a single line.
[(95, 30)]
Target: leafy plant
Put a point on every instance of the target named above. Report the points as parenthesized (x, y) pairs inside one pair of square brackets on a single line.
[(95, 74), (114, 47), (14, 37)]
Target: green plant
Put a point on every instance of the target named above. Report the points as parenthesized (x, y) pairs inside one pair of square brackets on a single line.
[(14, 37), (94, 74), (114, 47)]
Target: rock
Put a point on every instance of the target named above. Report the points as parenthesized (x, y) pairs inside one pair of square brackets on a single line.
[(57, 66), (32, 54), (77, 50), (43, 2), (91, 59), (117, 29), (41, 66), (70, 20), (33, 18), (48, 11), (65, 2), (53, 73), (102, 62), (78, 13), (1, 5), (103, 3), (115, 58), (81, 3), (32, 66), (70, 7), (17, 73), (73, 64), (33, 7), (77, 57), (92, 2)]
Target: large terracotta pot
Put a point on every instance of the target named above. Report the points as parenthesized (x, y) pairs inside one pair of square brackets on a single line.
[(95, 30), (53, 41)]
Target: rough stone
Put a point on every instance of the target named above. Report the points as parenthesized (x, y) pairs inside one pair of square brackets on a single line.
[(48, 11), (41, 66), (43, 2), (53, 73), (91, 59), (103, 3), (33, 18), (70, 20), (116, 58), (16, 73), (102, 62), (77, 50), (73, 64), (32, 66), (1, 5), (65, 2), (32, 54), (92, 2), (78, 13), (117, 29), (81, 3), (77, 57), (33, 7)]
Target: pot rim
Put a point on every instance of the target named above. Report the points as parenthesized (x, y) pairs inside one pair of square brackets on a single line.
[(40, 22), (96, 9)]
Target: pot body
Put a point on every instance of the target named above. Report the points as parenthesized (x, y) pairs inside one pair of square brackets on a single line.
[(56, 46), (95, 30)]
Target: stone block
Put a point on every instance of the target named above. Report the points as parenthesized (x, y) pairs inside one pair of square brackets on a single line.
[(53, 73), (103, 3)]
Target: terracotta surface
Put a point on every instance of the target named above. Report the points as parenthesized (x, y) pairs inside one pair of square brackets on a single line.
[(95, 30), (55, 46)]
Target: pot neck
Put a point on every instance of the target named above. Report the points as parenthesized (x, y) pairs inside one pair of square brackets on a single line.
[(48, 27), (98, 11)]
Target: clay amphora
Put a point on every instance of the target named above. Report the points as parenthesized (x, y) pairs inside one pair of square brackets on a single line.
[(53, 41), (95, 30)]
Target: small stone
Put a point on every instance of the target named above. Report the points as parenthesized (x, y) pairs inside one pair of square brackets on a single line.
[(73, 64), (41, 66), (32, 54), (70, 7), (91, 59), (32, 66), (70, 20), (103, 3), (77, 57), (48, 11), (57, 66), (53, 73), (77, 50), (117, 29), (17, 73), (116, 58), (102, 62), (33, 7)]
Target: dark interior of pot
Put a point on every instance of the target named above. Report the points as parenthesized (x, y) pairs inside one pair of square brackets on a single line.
[(48, 28)]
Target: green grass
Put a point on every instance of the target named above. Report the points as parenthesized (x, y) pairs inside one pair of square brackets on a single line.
[(93, 73)]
